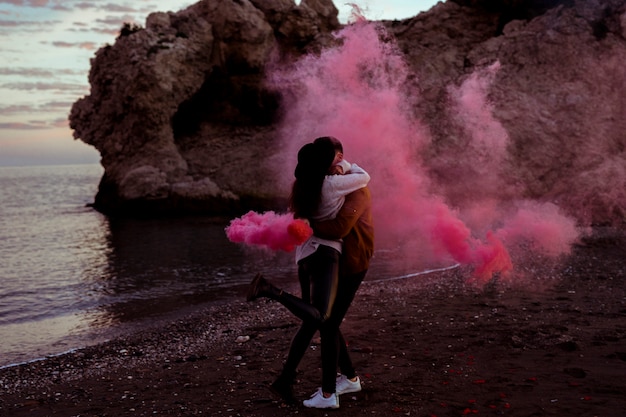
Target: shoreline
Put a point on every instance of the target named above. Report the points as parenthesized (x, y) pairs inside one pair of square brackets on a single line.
[(43, 358), (550, 344), (107, 334), (191, 313)]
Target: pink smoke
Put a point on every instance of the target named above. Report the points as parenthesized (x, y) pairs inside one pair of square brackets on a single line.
[(491, 258), (358, 92), (269, 230), (453, 237), (542, 226)]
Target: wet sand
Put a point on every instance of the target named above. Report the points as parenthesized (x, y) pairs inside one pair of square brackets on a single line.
[(550, 343)]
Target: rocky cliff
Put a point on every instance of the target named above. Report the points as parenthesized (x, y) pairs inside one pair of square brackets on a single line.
[(178, 110), (186, 121)]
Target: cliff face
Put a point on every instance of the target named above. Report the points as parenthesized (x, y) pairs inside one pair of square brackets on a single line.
[(185, 122), (178, 110), (559, 94)]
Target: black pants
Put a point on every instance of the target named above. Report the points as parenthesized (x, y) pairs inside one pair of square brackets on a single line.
[(318, 275), (331, 298), (348, 286)]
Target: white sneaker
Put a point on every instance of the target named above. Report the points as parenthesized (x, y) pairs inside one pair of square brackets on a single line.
[(318, 400), (344, 385)]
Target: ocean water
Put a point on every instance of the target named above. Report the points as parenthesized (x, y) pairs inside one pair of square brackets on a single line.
[(70, 276)]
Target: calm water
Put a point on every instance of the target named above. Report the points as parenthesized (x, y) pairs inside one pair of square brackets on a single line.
[(70, 276)]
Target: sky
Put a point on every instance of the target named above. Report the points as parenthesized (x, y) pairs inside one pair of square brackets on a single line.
[(45, 52)]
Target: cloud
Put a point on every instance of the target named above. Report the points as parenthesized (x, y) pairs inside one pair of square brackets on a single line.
[(11, 23), (26, 3), (109, 7), (51, 106), (85, 5), (114, 14), (36, 4), (58, 104), (118, 8), (69, 71), (36, 124), (15, 23), (85, 28), (33, 125), (44, 86), (15, 109), (90, 46), (25, 25), (39, 72), (62, 8), (108, 31), (116, 20), (27, 72), (60, 122)]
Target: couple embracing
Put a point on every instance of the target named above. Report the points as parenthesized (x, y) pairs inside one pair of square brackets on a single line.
[(332, 195)]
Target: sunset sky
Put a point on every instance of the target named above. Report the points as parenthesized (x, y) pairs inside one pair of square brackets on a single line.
[(45, 48)]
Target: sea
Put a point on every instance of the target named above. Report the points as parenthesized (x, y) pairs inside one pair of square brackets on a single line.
[(71, 277)]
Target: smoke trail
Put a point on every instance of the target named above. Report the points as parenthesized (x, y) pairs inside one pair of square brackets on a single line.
[(485, 148), (540, 226), (357, 92)]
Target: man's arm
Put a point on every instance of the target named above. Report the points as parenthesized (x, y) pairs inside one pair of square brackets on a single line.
[(350, 212)]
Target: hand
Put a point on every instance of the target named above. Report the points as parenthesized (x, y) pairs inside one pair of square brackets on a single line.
[(335, 170)]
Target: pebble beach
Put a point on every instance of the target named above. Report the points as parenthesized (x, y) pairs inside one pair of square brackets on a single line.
[(551, 342)]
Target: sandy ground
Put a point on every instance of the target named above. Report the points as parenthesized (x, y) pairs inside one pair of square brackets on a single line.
[(550, 343)]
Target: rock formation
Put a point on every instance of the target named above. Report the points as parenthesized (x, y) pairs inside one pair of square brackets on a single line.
[(178, 110), (184, 121), (559, 93)]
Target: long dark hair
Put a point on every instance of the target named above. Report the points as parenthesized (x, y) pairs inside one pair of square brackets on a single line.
[(314, 160)]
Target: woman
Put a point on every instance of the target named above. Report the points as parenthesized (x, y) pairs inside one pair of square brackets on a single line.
[(316, 196)]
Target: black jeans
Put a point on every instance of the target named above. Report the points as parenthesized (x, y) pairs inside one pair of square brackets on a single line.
[(348, 286), (318, 274), (318, 288)]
